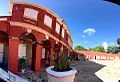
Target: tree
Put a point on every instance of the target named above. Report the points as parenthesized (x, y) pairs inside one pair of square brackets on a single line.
[(79, 47), (118, 41), (113, 49), (98, 49)]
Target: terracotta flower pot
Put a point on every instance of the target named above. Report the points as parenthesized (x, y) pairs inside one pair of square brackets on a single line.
[(66, 76)]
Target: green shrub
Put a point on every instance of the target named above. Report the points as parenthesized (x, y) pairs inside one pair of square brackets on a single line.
[(22, 62), (63, 63)]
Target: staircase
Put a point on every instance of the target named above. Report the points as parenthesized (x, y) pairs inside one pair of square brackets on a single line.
[(10, 77)]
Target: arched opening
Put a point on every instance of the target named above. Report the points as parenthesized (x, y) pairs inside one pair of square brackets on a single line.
[(27, 50), (3, 50), (46, 50)]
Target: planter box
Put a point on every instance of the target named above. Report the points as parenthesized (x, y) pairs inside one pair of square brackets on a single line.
[(67, 76)]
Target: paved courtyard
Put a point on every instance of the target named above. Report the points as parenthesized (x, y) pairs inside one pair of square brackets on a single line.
[(86, 71), (97, 71), (91, 71), (111, 72)]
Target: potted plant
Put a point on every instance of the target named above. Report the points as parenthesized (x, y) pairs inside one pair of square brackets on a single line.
[(61, 70), (22, 64)]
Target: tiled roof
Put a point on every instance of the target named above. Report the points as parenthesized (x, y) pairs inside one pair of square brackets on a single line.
[(97, 53)]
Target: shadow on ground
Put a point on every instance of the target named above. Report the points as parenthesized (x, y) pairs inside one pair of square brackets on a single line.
[(86, 71), (3, 67)]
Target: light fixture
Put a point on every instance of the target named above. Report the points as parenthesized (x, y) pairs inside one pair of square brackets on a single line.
[(47, 37), (29, 30)]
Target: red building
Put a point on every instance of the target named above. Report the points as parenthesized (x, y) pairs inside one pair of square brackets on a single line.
[(32, 31), (98, 55)]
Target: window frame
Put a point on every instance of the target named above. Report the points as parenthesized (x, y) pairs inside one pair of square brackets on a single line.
[(57, 28), (28, 15), (46, 19), (63, 32)]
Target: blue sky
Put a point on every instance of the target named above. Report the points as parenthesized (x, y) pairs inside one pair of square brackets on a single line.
[(91, 22)]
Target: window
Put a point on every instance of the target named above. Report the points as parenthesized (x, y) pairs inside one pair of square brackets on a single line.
[(22, 50), (30, 13), (48, 21), (61, 48), (57, 28), (1, 52), (63, 31), (67, 39), (43, 53), (70, 41)]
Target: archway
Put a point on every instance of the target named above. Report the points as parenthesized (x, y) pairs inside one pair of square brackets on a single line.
[(4, 50), (27, 49), (46, 52)]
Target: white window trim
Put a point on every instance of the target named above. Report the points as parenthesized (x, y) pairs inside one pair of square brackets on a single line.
[(57, 28), (43, 53), (46, 19), (3, 19), (29, 15), (63, 32)]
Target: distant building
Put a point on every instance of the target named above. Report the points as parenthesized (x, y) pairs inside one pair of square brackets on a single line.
[(32, 31), (98, 55)]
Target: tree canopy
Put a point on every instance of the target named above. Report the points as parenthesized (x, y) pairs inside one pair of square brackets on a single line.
[(79, 47), (118, 41), (113, 49), (98, 49)]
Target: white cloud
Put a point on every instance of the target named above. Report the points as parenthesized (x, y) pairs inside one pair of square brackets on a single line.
[(86, 42), (83, 36), (105, 45), (112, 43), (89, 31)]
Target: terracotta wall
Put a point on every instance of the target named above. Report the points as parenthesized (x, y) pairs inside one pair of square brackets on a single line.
[(18, 12)]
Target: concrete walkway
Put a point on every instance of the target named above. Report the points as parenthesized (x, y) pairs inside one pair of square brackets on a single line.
[(86, 71), (97, 71), (111, 72)]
